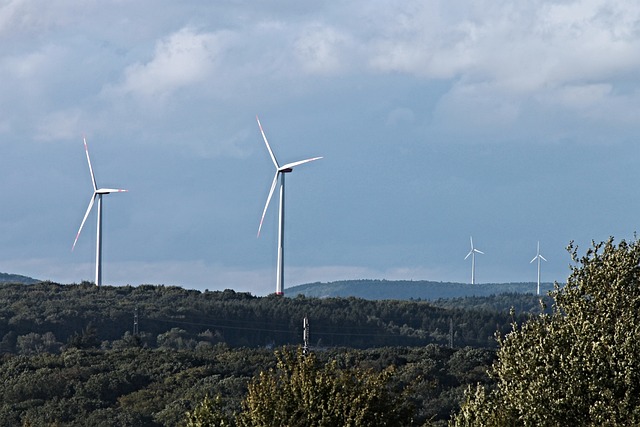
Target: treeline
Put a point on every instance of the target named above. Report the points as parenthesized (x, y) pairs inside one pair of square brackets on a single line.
[(412, 289), (49, 317), (519, 303), (133, 386)]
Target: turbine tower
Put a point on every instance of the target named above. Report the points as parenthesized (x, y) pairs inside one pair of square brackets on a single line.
[(280, 174), (473, 253), (538, 257), (97, 194)]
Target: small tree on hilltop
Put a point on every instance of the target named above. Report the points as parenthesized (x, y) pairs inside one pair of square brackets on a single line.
[(580, 364)]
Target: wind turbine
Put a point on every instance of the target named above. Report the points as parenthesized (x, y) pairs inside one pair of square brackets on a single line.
[(97, 194), (280, 173), (473, 253), (538, 257)]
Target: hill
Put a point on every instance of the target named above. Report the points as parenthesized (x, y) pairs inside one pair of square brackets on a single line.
[(411, 290), (72, 356), (16, 278), (83, 315)]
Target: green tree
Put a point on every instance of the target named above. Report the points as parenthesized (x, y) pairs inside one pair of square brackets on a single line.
[(210, 413), (302, 392), (579, 364)]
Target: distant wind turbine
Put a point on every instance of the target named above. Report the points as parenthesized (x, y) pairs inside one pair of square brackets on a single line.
[(538, 257), (97, 194), (280, 173), (472, 253)]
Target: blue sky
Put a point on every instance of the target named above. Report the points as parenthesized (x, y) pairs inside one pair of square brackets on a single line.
[(511, 122)]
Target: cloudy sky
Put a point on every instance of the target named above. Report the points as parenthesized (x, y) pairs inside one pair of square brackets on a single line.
[(514, 122)]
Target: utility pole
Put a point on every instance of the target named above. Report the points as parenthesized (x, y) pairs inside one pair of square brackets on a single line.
[(136, 331), (305, 335), (451, 332)]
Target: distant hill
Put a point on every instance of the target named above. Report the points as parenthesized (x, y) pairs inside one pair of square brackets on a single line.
[(408, 290), (16, 278)]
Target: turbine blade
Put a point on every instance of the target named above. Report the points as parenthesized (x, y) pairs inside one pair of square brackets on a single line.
[(471, 240), (93, 198), (470, 252), (543, 258), (273, 157), (294, 164), (273, 187), (93, 178), (110, 190), (534, 258), (477, 251)]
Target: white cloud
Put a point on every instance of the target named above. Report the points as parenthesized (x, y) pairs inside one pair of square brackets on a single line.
[(17, 16), (519, 46), (26, 65), (415, 39), (180, 60), (320, 49)]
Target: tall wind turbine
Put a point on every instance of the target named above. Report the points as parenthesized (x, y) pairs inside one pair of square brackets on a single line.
[(280, 174), (97, 194), (538, 257), (472, 253)]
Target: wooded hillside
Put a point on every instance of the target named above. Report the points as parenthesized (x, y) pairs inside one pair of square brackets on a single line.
[(70, 355), (49, 315)]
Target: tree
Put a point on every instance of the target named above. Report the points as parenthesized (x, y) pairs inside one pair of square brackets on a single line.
[(302, 392), (209, 413), (34, 343), (87, 339), (579, 364)]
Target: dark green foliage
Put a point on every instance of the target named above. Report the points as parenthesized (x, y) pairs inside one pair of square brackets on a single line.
[(132, 387), (157, 387), (579, 364), (520, 303), (83, 316), (341, 387), (300, 391), (70, 358)]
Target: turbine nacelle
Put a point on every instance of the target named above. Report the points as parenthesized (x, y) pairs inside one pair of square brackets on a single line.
[(538, 256), (473, 250), (279, 170)]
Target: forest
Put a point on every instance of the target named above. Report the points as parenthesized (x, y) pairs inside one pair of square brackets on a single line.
[(174, 317), (147, 355)]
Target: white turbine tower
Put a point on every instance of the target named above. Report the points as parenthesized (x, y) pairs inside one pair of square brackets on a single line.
[(538, 257), (280, 173), (97, 194), (473, 253)]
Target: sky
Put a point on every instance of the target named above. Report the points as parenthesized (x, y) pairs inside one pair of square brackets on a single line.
[(512, 122)]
